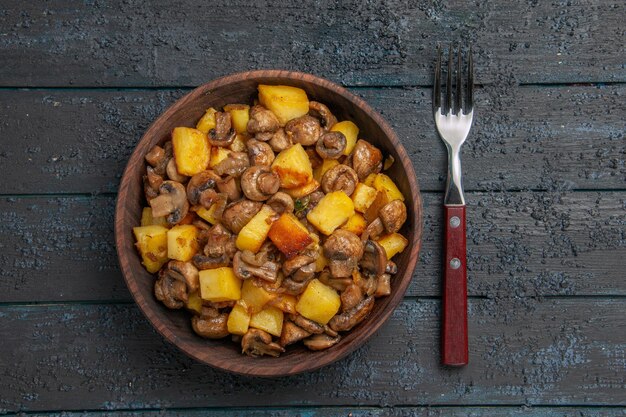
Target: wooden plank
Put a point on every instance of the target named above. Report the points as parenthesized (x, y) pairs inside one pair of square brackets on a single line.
[(549, 352), (530, 138), (380, 43), (351, 411), (520, 246)]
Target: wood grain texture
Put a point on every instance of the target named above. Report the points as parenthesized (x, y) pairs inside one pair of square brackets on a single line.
[(569, 137), (549, 352), (352, 411), (355, 43), (520, 246)]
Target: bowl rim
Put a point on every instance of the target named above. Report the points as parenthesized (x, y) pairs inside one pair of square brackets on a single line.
[(415, 245)]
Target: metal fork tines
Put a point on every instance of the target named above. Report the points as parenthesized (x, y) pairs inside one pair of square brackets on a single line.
[(454, 119)]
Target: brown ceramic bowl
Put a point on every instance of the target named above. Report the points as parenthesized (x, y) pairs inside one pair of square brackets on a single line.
[(175, 325)]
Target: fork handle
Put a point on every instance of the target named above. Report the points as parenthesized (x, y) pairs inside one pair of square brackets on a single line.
[(454, 335)]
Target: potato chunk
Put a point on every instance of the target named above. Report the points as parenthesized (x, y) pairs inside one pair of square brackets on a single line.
[(207, 121), (303, 190), (253, 234), (182, 242), (289, 235), (350, 131), (218, 154), (333, 210), (239, 115), (148, 220), (238, 320), (285, 302), (194, 303), (152, 245), (363, 197), (208, 214), (254, 298), (284, 101), (386, 185), (355, 224), (219, 284), (318, 302), (293, 167), (192, 151), (269, 320), (393, 243)]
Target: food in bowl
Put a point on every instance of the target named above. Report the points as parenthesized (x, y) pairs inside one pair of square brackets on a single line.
[(272, 223)]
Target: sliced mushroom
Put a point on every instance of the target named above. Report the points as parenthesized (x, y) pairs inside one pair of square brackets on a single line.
[(340, 178), (260, 153), (258, 343), (350, 297), (230, 187), (307, 324), (292, 334), (219, 249), (367, 283), (343, 249), (393, 215), (319, 110), (171, 202), (259, 183), (374, 259), (262, 120), (170, 288), (238, 214), (172, 172), (373, 230), (304, 130), (366, 159), (281, 203), (331, 145), (321, 341), (384, 286), (188, 272), (223, 134), (210, 326), (155, 156), (300, 268), (294, 287), (151, 183), (203, 183), (279, 140), (346, 321), (235, 164), (219, 304), (246, 265)]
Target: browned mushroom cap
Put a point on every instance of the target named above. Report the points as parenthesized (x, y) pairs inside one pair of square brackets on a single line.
[(279, 140), (346, 321), (300, 268), (218, 250), (290, 286), (305, 130), (238, 214), (374, 259), (281, 203), (151, 183), (258, 343), (212, 325), (260, 153), (172, 172), (331, 145), (321, 341), (246, 265), (262, 120), (384, 286), (171, 202), (259, 183), (292, 333), (343, 249), (235, 164), (223, 134), (230, 187), (310, 326), (340, 178), (171, 289), (393, 215), (366, 159), (155, 156), (350, 297), (322, 112), (200, 184), (188, 272), (373, 230)]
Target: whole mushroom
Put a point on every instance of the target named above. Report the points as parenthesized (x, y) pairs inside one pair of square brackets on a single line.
[(171, 202), (331, 145), (279, 140), (238, 214), (260, 153), (262, 120), (343, 249), (223, 134), (281, 203), (172, 172), (304, 130), (210, 324), (246, 265), (234, 165), (259, 183), (202, 184), (340, 178), (171, 289), (319, 110), (366, 159), (393, 215), (258, 343)]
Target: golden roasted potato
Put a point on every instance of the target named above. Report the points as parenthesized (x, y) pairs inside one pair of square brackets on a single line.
[(363, 197), (333, 210), (393, 243), (152, 245), (254, 298), (148, 220), (207, 121), (194, 302), (254, 233), (239, 115), (284, 101), (355, 224), (386, 185), (192, 151), (239, 144), (182, 242), (289, 235), (285, 302), (350, 131), (269, 319), (238, 320), (219, 284), (326, 164), (318, 302), (303, 190), (293, 167), (218, 154)]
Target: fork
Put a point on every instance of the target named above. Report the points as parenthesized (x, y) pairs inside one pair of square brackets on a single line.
[(453, 122)]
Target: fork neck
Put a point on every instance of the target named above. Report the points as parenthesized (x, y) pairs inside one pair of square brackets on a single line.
[(454, 186)]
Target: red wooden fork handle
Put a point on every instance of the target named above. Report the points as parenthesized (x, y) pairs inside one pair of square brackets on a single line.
[(454, 333)]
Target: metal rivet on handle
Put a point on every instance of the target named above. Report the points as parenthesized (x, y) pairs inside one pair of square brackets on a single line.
[(455, 263), (455, 221)]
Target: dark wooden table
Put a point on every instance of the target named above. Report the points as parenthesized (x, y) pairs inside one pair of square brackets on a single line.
[(544, 173)]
